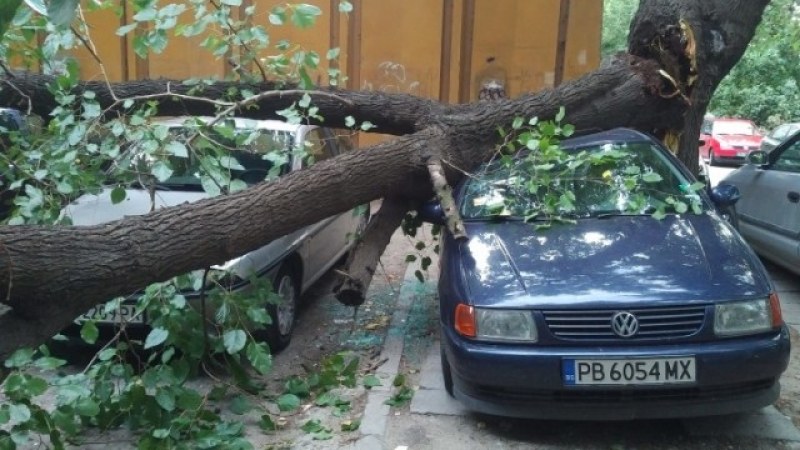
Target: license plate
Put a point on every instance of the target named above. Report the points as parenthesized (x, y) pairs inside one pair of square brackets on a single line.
[(741, 154), (119, 314), (622, 372)]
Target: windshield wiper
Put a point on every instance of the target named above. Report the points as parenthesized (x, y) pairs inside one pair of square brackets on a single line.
[(616, 213)]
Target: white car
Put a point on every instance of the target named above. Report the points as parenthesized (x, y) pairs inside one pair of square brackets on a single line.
[(292, 263), (768, 213)]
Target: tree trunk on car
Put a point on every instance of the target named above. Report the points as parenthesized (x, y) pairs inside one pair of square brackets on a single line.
[(679, 51)]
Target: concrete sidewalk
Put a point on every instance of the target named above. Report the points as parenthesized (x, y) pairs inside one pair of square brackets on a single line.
[(432, 401)]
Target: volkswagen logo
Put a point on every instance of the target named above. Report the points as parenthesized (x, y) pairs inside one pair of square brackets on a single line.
[(624, 324)]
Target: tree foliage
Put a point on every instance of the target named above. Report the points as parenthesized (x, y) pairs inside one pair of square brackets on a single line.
[(764, 84)]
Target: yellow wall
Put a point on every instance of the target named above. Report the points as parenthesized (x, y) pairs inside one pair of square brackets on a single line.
[(398, 45)]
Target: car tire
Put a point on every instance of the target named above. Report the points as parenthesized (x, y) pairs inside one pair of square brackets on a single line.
[(278, 334), (447, 375), (712, 161)]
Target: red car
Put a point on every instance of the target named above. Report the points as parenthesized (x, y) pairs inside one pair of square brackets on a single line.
[(728, 140)]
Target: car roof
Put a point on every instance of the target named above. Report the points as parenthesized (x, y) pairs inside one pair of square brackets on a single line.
[(240, 122), (615, 135)]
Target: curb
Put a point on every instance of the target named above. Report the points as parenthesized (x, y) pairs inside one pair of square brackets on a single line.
[(376, 413)]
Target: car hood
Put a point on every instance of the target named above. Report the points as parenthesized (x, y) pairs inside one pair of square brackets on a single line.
[(93, 209), (740, 140), (622, 259)]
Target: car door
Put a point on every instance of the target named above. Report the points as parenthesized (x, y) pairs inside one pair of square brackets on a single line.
[(769, 210), (328, 239)]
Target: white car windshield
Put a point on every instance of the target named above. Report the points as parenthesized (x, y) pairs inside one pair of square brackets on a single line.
[(734, 127)]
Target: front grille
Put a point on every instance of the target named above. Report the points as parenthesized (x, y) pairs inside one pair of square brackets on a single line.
[(622, 396), (654, 323)]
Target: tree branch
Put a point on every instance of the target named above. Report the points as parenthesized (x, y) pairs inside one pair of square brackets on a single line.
[(444, 193), (363, 260)]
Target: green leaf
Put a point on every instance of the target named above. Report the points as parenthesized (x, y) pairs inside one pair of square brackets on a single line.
[(651, 177), (349, 121), (177, 149), (345, 6), (156, 337), (561, 114), (517, 124), (288, 402), (266, 423), (234, 341), (62, 12), (165, 399), (87, 407), (125, 29), (19, 413), (259, 357), (371, 381), (240, 405), (304, 15), (161, 171), (48, 362), (160, 433), (681, 207), (89, 332), (20, 358)]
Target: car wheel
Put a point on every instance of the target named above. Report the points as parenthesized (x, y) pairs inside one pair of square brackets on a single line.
[(283, 312), (712, 161), (447, 375)]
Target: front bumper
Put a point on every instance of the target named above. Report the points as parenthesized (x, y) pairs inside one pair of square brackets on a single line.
[(733, 376)]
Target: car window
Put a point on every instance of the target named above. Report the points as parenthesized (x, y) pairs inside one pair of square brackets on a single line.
[(789, 159), (780, 132), (320, 145), (250, 155), (598, 189), (744, 127), (706, 128)]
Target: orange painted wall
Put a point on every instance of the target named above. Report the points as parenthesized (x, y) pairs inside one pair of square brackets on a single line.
[(399, 45)]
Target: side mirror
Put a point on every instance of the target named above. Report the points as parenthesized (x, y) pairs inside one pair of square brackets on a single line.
[(725, 195), (431, 212), (758, 157)]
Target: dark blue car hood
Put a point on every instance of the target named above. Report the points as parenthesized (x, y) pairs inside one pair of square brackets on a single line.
[(621, 259)]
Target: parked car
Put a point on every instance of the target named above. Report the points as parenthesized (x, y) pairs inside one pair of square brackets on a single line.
[(727, 140), (768, 214), (292, 263), (618, 315), (778, 135)]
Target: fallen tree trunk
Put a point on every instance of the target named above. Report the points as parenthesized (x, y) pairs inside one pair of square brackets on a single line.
[(50, 275)]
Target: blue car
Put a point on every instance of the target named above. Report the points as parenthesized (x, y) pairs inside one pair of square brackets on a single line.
[(616, 315)]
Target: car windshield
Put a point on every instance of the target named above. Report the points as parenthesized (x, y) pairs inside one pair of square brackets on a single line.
[(734, 127), (599, 189), (248, 155)]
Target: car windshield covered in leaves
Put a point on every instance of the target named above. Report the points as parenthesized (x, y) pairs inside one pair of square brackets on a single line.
[(612, 178)]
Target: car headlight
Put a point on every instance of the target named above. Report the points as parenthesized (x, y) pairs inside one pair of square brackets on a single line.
[(750, 317), (512, 325)]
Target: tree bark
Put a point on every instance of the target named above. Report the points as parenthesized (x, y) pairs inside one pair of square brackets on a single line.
[(719, 33), (50, 275)]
